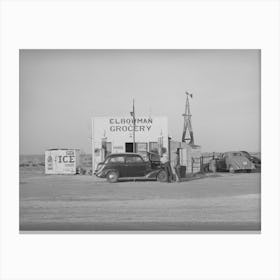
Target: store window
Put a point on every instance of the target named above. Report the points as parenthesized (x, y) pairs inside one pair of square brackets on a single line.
[(141, 147), (153, 147)]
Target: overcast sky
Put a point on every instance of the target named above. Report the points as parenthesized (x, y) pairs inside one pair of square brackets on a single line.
[(61, 90)]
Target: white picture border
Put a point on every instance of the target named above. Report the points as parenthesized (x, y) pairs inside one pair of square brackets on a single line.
[(141, 25)]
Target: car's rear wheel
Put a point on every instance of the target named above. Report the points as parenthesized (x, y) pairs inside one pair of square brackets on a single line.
[(231, 169), (162, 176), (112, 176)]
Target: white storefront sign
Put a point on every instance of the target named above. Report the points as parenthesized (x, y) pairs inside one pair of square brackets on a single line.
[(61, 161)]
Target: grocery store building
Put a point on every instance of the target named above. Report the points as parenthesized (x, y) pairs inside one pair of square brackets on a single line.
[(118, 135)]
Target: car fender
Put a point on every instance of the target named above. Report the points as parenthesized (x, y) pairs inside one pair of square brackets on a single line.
[(109, 170), (153, 174), (102, 173)]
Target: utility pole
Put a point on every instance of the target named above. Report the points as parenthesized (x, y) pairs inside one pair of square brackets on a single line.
[(133, 116), (92, 147), (187, 122)]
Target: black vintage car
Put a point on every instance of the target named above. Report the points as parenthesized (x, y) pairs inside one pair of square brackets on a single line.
[(131, 166)]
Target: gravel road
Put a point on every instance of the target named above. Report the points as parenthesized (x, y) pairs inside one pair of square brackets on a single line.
[(84, 203)]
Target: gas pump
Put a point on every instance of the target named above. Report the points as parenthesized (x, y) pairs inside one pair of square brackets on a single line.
[(160, 145), (103, 148)]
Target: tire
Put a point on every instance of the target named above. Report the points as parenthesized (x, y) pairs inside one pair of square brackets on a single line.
[(162, 176), (112, 176), (231, 169)]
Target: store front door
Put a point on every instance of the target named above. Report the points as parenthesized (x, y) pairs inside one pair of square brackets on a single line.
[(129, 147)]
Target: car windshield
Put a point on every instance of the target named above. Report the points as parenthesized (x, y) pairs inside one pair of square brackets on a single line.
[(155, 157), (145, 156)]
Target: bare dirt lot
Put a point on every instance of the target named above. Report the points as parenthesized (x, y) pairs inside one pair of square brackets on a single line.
[(84, 203)]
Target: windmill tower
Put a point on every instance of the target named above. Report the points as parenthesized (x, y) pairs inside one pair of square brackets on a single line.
[(187, 130)]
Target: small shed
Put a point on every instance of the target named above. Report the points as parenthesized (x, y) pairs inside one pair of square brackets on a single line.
[(189, 156), (62, 161)]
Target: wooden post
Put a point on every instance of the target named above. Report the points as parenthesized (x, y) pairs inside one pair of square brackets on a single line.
[(192, 165), (169, 152)]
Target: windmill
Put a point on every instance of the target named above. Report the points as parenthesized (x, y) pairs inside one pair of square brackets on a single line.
[(187, 130)]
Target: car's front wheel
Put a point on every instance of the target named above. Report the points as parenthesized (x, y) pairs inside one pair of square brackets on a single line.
[(112, 176), (231, 169), (162, 176)]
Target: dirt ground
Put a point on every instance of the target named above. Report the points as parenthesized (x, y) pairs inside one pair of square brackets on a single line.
[(85, 203)]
